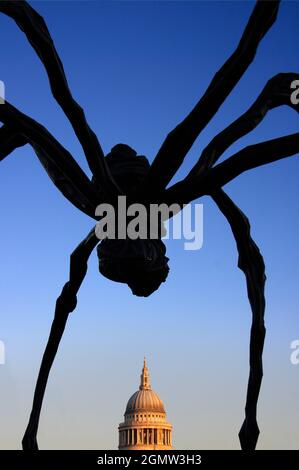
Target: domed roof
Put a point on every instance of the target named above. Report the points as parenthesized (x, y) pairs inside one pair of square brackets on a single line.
[(145, 399)]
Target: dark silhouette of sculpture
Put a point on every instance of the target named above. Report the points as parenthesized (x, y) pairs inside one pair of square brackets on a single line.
[(123, 172)]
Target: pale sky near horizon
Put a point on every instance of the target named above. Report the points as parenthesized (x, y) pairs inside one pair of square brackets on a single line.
[(137, 68)]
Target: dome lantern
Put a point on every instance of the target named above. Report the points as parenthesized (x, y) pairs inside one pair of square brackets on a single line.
[(144, 378)]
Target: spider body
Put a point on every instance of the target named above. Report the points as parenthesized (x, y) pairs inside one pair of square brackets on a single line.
[(127, 168), (140, 263), (143, 264)]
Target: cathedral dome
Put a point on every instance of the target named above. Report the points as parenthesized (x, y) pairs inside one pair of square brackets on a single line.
[(145, 425), (145, 399)]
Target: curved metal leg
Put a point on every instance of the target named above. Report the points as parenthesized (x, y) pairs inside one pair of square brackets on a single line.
[(252, 264), (65, 304)]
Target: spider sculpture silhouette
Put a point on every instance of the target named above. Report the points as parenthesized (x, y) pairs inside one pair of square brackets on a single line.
[(142, 264)]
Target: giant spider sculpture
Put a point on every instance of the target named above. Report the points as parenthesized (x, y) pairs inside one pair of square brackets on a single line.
[(142, 264)]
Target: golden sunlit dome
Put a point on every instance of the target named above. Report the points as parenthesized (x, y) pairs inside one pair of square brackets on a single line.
[(145, 399), (145, 425)]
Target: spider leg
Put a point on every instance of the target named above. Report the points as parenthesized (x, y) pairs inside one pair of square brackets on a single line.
[(277, 92), (19, 129), (10, 139), (179, 141), (35, 28), (251, 157), (65, 304), (252, 264), (246, 159)]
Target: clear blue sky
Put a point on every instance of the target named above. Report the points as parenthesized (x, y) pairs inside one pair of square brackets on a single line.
[(137, 68)]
